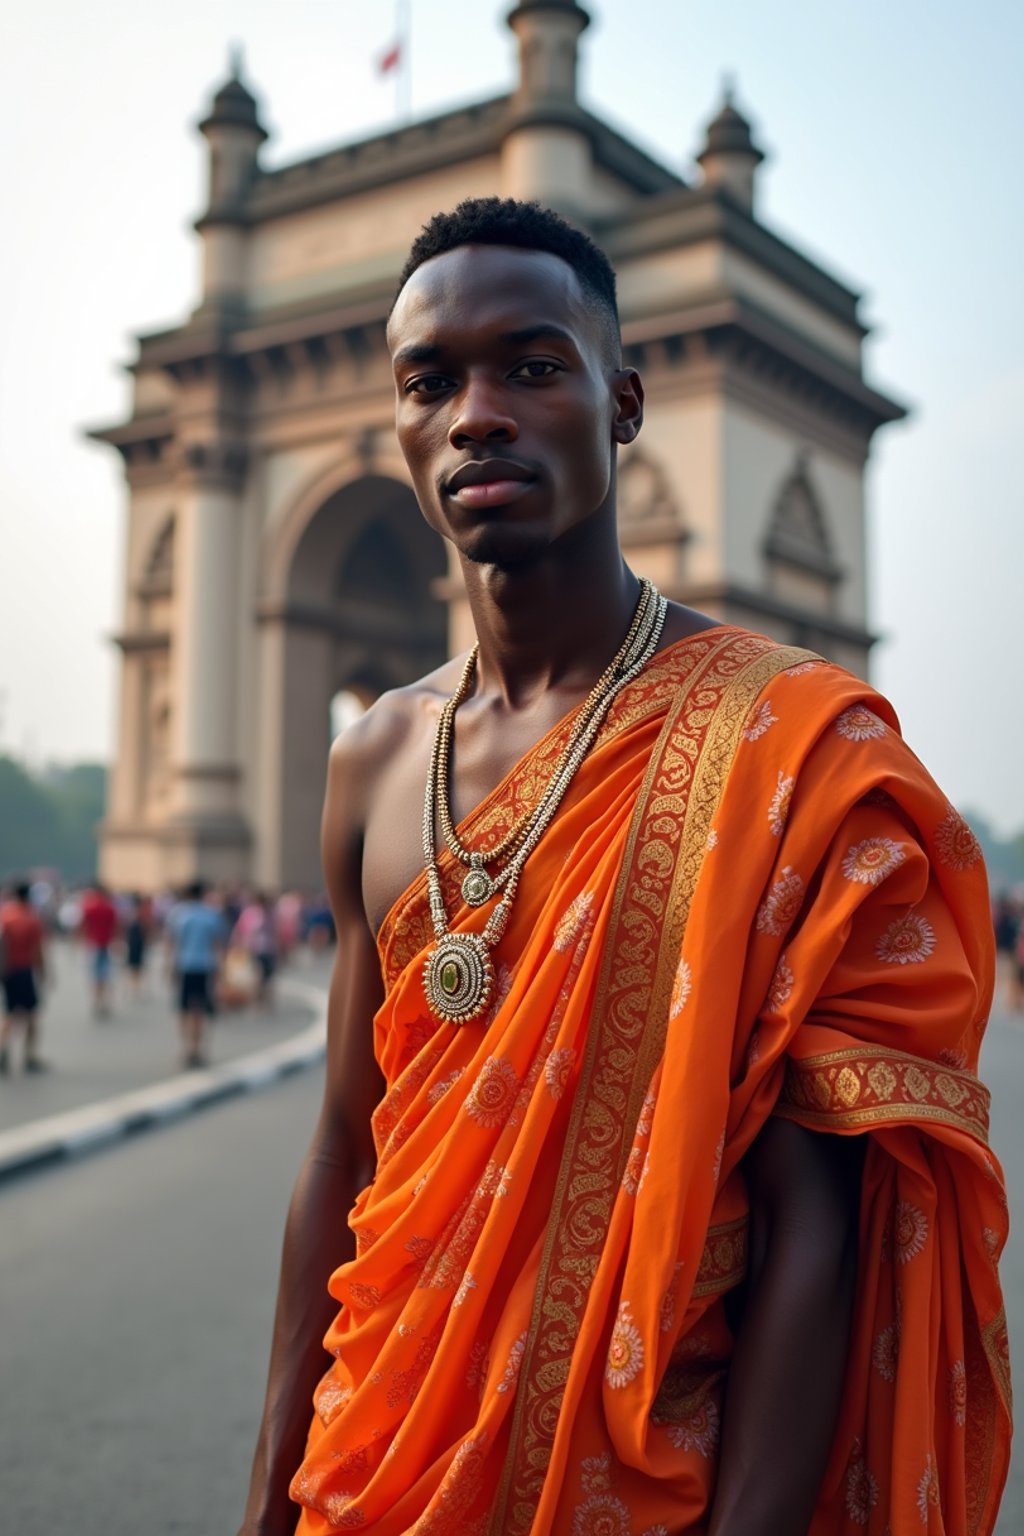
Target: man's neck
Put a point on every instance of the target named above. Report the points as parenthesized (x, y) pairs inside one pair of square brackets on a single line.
[(545, 626)]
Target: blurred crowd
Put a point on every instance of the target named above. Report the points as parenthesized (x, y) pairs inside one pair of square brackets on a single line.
[(1008, 921), (215, 947)]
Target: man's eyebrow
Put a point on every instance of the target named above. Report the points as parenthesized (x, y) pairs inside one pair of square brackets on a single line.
[(546, 330), (425, 352)]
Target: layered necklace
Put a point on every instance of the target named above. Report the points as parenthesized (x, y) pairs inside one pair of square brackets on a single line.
[(458, 974)]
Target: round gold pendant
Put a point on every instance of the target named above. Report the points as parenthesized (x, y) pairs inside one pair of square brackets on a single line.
[(477, 887), (458, 978)]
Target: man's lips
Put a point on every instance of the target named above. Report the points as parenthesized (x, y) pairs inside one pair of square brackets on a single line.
[(489, 483)]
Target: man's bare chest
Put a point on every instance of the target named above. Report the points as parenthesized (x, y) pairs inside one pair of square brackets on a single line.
[(487, 749)]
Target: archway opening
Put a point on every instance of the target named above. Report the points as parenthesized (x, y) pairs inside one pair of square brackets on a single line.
[(361, 616)]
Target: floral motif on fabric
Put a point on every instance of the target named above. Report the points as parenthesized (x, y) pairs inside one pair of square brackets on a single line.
[(574, 922), (781, 986), (682, 986), (778, 810), (365, 1239), (601, 1515), (625, 1350), (698, 1430), (712, 840), (437, 1093), (405, 1385), (780, 907), (886, 1352), (907, 941), (858, 723), (927, 1491), (761, 721), (510, 1375), (557, 1070), (861, 1492), (476, 1373), (458, 1491), (420, 1248), (910, 1232), (331, 1398), (450, 1255), (993, 1242), (871, 861), (365, 1296), (419, 1033), (955, 1059), (596, 1473), (493, 1095), (955, 844), (958, 1392), (465, 1285), (343, 1512), (802, 667)]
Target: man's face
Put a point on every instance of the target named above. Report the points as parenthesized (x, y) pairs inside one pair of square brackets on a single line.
[(508, 401)]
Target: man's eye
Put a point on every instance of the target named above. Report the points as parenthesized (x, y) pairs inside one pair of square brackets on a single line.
[(535, 368), (427, 384)]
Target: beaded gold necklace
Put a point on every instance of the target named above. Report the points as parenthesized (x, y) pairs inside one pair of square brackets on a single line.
[(458, 973)]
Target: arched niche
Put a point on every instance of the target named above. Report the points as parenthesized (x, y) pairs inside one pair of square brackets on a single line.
[(358, 615)]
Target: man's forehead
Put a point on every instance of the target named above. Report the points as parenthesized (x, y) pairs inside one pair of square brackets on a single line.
[(491, 287)]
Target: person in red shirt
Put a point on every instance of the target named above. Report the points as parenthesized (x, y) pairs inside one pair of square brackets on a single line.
[(22, 966), (98, 927)]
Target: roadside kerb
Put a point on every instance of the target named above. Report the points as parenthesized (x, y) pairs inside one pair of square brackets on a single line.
[(72, 1134)]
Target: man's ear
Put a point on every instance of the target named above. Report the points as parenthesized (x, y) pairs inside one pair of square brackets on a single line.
[(628, 391)]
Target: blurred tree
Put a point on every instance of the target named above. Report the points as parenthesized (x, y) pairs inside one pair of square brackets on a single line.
[(48, 819)]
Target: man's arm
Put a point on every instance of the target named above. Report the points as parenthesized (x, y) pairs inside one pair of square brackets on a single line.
[(787, 1371), (340, 1162)]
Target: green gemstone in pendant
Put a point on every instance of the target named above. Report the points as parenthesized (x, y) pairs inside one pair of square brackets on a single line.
[(450, 978)]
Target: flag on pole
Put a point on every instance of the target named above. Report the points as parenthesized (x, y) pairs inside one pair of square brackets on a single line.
[(390, 59)]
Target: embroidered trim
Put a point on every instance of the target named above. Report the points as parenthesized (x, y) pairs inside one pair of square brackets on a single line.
[(855, 1089), (661, 863), (723, 1264)]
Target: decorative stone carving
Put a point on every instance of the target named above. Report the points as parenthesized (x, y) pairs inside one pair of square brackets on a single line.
[(643, 493), (798, 531), (159, 576)]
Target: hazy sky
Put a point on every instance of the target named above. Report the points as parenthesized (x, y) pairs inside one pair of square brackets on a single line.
[(895, 141)]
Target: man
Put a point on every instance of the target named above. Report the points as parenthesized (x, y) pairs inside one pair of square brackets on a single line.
[(99, 924), (196, 936), (671, 1204), (23, 966)]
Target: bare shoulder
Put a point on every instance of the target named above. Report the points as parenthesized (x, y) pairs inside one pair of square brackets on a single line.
[(682, 622), (393, 724)]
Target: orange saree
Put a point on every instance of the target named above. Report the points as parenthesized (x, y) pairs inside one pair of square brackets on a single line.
[(752, 901)]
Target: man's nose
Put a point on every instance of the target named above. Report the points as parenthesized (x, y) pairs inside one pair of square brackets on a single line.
[(483, 415)]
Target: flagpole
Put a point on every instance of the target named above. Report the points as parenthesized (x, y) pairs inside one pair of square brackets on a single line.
[(403, 74)]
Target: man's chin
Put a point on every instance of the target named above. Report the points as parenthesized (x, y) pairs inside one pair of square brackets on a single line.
[(507, 549)]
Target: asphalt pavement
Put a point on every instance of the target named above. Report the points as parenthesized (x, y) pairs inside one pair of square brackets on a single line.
[(120, 1074), (136, 1296)]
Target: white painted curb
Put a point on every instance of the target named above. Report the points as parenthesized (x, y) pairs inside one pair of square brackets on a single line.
[(77, 1131)]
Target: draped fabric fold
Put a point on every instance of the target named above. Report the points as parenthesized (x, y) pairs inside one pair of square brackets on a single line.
[(752, 901)]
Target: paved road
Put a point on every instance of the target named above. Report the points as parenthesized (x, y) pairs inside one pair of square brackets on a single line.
[(136, 1290), (92, 1059)]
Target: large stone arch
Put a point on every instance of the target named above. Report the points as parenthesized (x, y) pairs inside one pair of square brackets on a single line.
[(351, 604)]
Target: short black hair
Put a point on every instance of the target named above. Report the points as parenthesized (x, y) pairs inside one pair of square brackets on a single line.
[(528, 226)]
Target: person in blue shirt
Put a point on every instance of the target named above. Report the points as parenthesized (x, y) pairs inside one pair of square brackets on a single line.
[(197, 933)]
